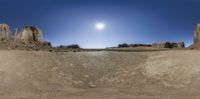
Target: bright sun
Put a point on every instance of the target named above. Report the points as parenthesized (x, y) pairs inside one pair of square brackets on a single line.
[(100, 26)]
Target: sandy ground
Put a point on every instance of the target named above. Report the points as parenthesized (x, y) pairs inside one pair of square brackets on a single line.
[(100, 75)]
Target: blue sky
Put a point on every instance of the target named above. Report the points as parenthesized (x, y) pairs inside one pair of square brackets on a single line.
[(127, 21)]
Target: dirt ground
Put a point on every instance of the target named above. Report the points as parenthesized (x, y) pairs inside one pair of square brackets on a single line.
[(171, 74)]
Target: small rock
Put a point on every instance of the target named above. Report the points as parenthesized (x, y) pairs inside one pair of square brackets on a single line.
[(91, 85), (37, 49), (87, 76), (51, 50)]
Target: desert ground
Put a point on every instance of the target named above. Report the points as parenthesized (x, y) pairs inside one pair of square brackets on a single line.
[(167, 74)]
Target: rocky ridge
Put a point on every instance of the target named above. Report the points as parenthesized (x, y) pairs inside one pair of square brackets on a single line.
[(168, 45)]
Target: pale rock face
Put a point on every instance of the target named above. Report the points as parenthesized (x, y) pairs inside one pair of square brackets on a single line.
[(30, 34), (28, 37), (4, 32), (197, 37)]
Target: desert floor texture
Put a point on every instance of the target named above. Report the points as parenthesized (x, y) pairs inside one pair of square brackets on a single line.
[(173, 74)]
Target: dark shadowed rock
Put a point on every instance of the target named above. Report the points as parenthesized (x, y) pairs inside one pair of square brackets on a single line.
[(69, 46), (73, 46), (47, 43), (133, 45), (140, 45), (123, 45)]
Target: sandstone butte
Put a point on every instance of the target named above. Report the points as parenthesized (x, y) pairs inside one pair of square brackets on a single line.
[(27, 37)]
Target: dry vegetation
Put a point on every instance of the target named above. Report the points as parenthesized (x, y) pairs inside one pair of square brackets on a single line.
[(171, 74)]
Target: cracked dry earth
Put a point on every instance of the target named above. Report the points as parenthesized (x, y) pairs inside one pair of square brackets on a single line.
[(100, 75)]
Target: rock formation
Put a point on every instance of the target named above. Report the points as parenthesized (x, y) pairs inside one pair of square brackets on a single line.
[(140, 45), (29, 35), (197, 37), (4, 32), (123, 45), (69, 46), (181, 45), (133, 45), (168, 45)]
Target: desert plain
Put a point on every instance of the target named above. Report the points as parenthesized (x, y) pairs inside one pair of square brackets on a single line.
[(165, 74)]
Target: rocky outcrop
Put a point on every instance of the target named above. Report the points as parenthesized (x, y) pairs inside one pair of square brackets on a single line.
[(133, 45), (4, 32), (168, 45), (30, 35), (140, 45), (69, 46), (123, 45), (197, 37), (181, 45), (190, 47)]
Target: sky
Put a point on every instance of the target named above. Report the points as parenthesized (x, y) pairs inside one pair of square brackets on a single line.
[(126, 21)]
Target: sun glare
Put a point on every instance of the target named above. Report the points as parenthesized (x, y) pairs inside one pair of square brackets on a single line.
[(100, 26)]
